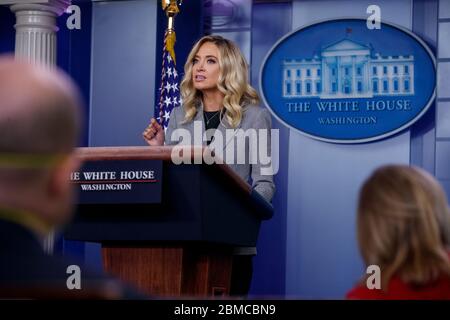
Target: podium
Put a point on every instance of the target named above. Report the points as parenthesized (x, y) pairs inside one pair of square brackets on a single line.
[(183, 244)]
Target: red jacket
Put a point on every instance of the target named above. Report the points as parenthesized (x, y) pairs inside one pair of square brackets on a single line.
[(398, 290)]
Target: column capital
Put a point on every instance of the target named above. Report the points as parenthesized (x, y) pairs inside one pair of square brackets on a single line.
[(57, 7), (36, 28)]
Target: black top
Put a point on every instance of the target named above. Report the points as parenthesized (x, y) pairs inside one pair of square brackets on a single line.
[(34, 274), (212, 121)]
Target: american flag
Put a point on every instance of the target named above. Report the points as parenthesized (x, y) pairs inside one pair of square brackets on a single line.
[(169, 91)]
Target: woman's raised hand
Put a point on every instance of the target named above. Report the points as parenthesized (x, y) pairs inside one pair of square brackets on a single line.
[(154, 133)]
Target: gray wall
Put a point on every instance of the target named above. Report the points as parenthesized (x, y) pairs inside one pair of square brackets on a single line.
[(123, 71), (322, 255), (443, 96), (270, 22)]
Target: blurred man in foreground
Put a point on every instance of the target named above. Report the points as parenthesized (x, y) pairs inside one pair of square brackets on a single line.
[(39, 125)]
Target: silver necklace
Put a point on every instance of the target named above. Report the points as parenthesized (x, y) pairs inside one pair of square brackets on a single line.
[(209, 119)]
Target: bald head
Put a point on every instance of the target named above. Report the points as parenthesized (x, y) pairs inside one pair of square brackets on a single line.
[(39, 124), (39, 109)]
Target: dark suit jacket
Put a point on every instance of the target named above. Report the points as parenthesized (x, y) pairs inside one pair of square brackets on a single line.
[(26, 271)]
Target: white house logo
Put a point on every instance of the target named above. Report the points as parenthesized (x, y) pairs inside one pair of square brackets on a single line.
[(341, 82), (348, 69)]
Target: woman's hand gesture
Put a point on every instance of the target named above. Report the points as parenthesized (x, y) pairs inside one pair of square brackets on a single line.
[(154, 133)]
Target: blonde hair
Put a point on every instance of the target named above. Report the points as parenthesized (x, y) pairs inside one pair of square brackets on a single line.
[(233, 81), (403, 225)]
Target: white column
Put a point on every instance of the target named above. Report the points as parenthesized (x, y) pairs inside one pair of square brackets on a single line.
[(367, 79), (339, 75), (36, 30), (36, 41), (354, 91), (323, 77)]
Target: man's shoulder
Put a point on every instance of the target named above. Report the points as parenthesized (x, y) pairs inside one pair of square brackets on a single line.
[(39, 275)]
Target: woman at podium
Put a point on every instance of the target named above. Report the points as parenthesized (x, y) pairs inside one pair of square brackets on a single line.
[(218, 99)]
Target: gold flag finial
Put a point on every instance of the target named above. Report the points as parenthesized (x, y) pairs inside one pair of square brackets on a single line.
[(171, 9)]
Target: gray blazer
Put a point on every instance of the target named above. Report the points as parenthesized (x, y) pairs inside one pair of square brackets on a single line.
[(253, 117)]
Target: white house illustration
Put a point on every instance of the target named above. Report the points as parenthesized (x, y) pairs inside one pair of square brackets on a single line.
[(348, 69)]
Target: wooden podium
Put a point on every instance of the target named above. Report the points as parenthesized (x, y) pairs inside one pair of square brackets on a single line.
[(183, 245)]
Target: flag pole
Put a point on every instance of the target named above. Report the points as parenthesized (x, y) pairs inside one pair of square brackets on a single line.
[(171, 9), (169, 90)]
